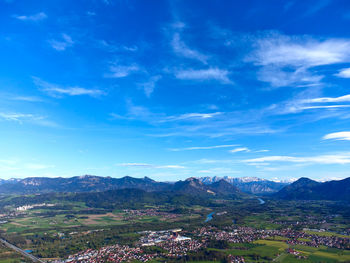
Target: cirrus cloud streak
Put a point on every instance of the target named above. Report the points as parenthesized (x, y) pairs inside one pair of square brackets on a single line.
[(343, 158), (341, 136)]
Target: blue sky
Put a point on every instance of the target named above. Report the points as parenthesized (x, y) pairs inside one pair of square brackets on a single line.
[(173, 89)]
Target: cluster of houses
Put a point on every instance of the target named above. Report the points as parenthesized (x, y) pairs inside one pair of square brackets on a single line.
[(295, 253), (235, 259), (27, 207), (178, 249), (248, 234), (313, 240), (170, 240), (114, 253), (152, 238), (235, 235), (176, 246)]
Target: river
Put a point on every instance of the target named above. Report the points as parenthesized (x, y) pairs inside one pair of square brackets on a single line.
[(209, 217), (261, 201)]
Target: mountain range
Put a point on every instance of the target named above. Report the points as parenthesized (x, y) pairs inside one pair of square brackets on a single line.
[(193, 186), (90, 183), (250, 185), (307, 189), (86, 183), (128, 194), (302, 189)]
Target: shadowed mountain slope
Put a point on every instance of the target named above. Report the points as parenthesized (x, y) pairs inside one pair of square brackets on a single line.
[(307, 189)]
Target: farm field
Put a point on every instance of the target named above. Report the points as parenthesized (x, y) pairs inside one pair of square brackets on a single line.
[(8, 256), (270, 250), (39, 220), (56, 230)]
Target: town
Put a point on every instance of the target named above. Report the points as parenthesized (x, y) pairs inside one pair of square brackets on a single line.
[(172, 245)]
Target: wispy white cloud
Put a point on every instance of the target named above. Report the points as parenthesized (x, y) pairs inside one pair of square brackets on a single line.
[(62, 44), (207, 124), (306, 101), (302, 108), (191, 116), (278, 77), (150, 85), (58, 91), (112, 47), (262, 151), (136, 112), (240, 149), (147, 165), (115, 116), (342, 136), (170, 167), (213, 71), (17, 97), (217, 74), (300, 52), (247, 150), (217, 130), (343, 158), (130, 48), (344, 73), (18, 117), (345, 98), (27, 118), (181, 49), (202, 147), (139, 112), (121, 71), (27, 98), (288, 60), (35, 17)]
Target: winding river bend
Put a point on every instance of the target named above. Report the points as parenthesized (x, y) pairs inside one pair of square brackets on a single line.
[(209, 217), (261, 201)]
